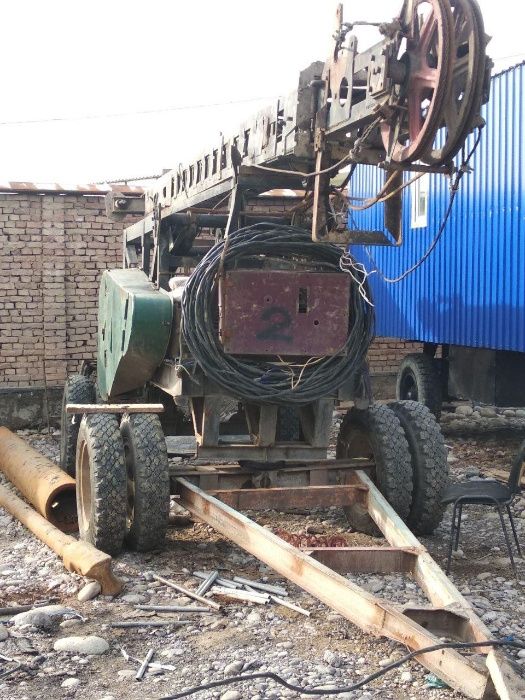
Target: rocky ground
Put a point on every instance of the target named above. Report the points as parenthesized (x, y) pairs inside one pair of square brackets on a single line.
[(320, 650)]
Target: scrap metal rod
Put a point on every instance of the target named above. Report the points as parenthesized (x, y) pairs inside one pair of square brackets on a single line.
[(144, 665), (186, 592), (173, 608), (207, 583)]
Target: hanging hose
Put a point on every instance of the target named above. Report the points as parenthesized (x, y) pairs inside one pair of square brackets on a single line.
[(272, 380)]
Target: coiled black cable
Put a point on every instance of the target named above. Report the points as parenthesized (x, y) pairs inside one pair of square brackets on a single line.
[(269, 381)]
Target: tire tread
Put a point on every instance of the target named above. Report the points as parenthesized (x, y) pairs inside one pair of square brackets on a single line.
[(423, 367), (429, 465), (107, 527), (77, 389), (152, 485), (391, 454)]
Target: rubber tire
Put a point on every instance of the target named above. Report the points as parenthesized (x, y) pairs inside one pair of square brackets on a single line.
[(148, 503), (429, 465), (288, 424), (101, 483), (422, 369), (376, 432), (77, 389)]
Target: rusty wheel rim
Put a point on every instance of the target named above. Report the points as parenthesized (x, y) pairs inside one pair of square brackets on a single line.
[(130, 489), (358, 444), (84, 487), (462, 108), (428, 56)]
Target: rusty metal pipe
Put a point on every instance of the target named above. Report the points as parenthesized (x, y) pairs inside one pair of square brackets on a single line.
[(41, 481), (80, 557)]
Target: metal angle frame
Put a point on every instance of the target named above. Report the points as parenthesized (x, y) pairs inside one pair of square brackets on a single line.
[(417, 628)]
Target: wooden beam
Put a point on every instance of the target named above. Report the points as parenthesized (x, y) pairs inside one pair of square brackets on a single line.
[(507, 683), (292, 497), (343, 596), (362, 560), (78, 408), (438, 587), (443, 623)]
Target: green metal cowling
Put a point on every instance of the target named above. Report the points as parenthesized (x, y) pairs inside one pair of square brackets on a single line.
[(134, 326)]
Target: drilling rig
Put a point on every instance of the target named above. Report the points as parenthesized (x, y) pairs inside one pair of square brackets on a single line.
[(250, 329)]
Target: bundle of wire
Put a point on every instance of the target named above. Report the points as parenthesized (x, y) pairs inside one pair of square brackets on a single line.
[(271, 380)]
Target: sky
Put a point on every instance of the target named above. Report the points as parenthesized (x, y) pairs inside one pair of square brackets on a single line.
[(193, 68)]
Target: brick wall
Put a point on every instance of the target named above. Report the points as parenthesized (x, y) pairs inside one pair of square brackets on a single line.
[(53, 249), (386, 353)]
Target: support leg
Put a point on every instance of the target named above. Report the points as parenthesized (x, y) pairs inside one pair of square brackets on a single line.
[(513, 526), (458, 526), (452, 533), (507, 540)]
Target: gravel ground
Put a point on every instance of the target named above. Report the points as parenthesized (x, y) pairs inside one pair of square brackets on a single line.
[(322, 650)]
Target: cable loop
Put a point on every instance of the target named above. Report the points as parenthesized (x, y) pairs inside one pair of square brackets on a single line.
[(271, 380)]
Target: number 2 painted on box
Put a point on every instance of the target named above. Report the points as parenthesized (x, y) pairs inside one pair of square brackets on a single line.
[(277, 319)]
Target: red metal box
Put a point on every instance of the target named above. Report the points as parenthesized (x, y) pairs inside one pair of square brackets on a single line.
[(283, 312)]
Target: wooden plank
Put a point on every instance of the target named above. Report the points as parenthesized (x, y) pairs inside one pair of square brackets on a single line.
[(507, 683), (77, 408), (442, 622), (343, 596), (299, 497), (361, 560)]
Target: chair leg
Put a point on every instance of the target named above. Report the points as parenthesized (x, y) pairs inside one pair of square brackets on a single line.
[(451, 541), (513, 526), (458, 526), (507, 540)]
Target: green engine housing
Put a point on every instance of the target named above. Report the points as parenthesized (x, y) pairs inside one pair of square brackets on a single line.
[(134, 327)]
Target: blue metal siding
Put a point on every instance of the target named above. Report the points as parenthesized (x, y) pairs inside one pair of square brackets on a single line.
[(471, 290)]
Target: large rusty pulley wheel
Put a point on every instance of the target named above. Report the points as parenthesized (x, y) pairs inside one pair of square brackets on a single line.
[(429, 33), (461, 110)]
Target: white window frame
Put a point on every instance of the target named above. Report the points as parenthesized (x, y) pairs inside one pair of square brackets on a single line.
[(419, 202)]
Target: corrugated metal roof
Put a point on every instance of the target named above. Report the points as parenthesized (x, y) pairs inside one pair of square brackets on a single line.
[(471, 290)]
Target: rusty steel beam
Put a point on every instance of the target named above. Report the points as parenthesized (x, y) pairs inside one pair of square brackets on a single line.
[(290, 497), (81, 408)]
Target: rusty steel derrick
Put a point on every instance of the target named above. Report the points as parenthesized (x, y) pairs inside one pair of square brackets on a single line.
[(407, 103)]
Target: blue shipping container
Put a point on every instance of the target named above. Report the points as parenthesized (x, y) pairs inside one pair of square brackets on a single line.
[(471, 290)]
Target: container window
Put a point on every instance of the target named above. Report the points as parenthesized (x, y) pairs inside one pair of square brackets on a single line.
[(419, 195)]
